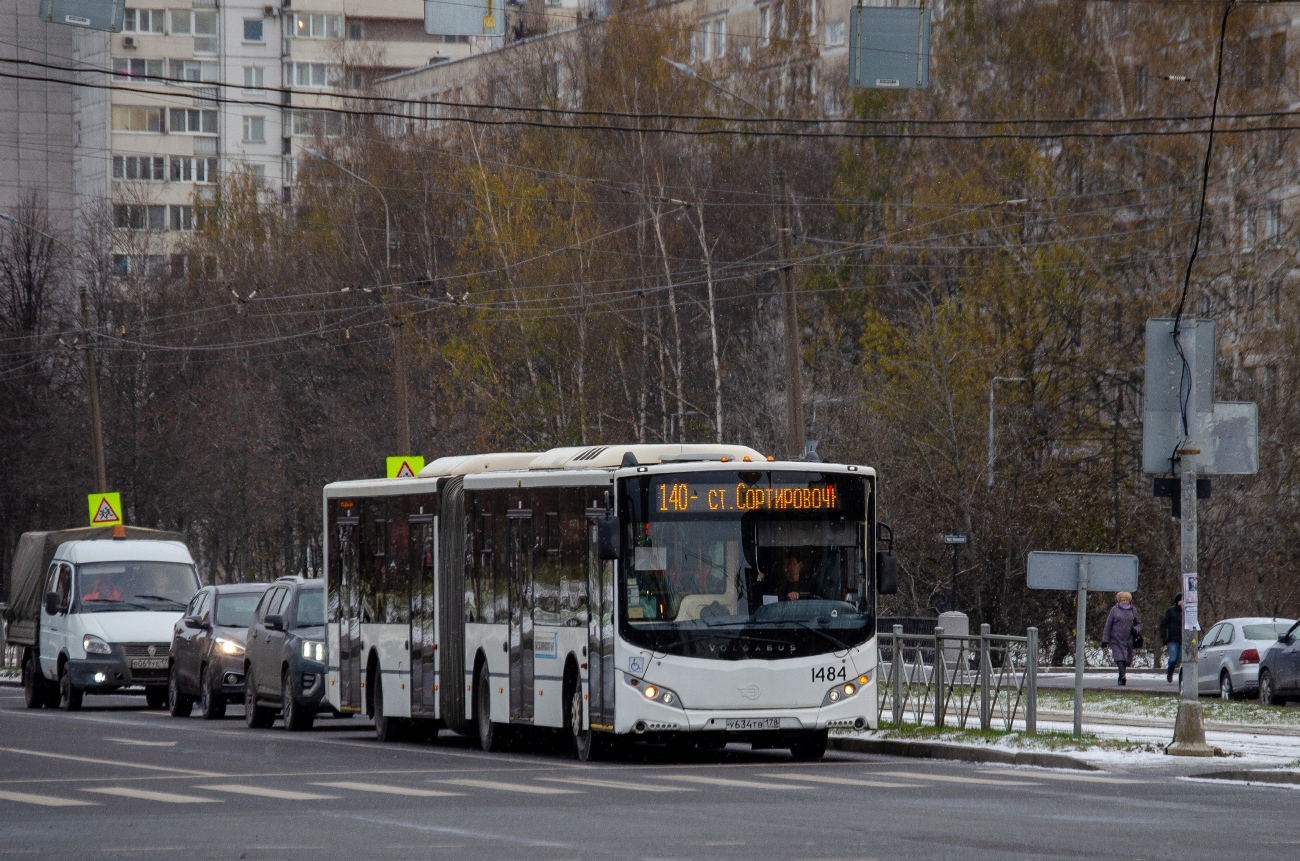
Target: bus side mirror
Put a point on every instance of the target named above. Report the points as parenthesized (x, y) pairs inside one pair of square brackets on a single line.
[(607, 538), (886, 573)]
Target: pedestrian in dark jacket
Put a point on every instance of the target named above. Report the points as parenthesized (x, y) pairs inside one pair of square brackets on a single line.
[(1121, 625), (1171, 634)]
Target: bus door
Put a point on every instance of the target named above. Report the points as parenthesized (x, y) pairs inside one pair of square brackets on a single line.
[(423, 614), (349, 599), (600, 630), (521, 614)]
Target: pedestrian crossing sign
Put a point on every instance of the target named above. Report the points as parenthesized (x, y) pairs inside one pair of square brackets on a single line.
[(405, 467), (105, 509)]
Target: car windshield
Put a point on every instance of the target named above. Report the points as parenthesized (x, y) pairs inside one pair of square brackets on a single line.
[(236, 611), (743, 564), (109, 586), (311, 608), (1265, 630)]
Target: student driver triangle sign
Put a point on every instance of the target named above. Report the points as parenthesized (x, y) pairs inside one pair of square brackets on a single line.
[(405, 467), (105, 509)]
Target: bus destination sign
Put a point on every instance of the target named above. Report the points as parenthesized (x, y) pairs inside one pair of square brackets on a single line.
[(684, 497)]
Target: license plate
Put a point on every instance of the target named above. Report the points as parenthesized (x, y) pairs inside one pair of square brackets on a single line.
[(148, 663), (753, 723)]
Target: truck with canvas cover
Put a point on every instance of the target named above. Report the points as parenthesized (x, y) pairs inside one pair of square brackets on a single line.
[(93, 610)]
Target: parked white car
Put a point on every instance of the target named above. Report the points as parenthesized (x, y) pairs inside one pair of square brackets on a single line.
[(1230, 653)]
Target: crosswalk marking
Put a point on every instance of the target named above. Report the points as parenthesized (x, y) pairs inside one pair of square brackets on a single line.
[(949, 778), (44, 800), (264, 792), (726, 781), (845, 781), (1047, 775), (387, 790), (611, 784), (511, 787), (151, 795)]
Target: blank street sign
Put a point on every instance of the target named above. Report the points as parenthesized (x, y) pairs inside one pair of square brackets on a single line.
[(464, 17), (889, 48), (1107, 572), (108, 15)]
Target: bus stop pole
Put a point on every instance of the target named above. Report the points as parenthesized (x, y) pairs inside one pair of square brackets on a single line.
[(1080, 625)]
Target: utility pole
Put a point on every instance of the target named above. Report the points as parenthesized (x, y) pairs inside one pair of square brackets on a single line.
[(794, 417)]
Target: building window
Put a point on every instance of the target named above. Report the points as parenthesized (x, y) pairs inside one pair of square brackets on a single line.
[(254, 130), (713, 39), (309, 75), (193, 121), (835, 32), (765, 25), (186, 169), (204, 29), (317, 26), (254, 30), (133, 119), (182, 217), (307, 123), (139, 216), (254, 77), (1273, 222), (357, 79), (259, 171), (140, 167), (131, 69), (356, 30), (195, 71), (143, 21)]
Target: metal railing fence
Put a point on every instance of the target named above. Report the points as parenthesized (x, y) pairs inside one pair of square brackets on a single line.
[(948, 679)]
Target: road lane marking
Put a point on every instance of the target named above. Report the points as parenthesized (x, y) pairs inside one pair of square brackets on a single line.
[(115, 762), (847, 781), (726, 781), (265, 792), (387, 790), (43, 800), (612, 784), (1088, 778), (511, 787), (458, 832), (139, 743), (151, 795), (949, 778)]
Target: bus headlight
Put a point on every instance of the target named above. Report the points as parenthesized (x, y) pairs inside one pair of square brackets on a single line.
[(656, 693), (844, 691), (313, 650)]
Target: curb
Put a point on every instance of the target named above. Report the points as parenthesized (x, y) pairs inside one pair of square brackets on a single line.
[(1250, 776), (963, 753)]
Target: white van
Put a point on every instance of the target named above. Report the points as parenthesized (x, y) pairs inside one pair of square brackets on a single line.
[(106, 618)]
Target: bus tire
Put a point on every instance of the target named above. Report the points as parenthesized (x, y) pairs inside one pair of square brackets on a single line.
[(584, 743), (386, 728), (491, 736), (810, 746)]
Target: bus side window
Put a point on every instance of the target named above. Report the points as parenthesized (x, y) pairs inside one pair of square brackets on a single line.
[(483, 588), (573, 558), (395, 588)]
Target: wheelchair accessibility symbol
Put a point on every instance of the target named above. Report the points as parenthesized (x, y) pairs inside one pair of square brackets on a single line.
[(636, 665)]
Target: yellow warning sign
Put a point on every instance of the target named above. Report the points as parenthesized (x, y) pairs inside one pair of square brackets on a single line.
[(105, 509), (405, 467)]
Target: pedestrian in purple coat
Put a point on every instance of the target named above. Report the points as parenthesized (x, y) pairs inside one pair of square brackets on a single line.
[(1122, 625)]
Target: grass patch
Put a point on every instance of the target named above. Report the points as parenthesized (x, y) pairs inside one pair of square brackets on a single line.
[(1049, 741), (1104, 702)]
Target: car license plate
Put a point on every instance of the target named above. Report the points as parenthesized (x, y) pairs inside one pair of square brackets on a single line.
[(753, 723), (148, 663)]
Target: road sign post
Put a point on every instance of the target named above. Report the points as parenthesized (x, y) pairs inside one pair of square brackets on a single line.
[(956, 540), (1111, 572)]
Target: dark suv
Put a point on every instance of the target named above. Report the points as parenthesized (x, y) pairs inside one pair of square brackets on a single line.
[(284, 665), (206, 660)]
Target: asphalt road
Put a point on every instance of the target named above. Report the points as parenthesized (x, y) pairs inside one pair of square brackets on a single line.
[(118, 782)]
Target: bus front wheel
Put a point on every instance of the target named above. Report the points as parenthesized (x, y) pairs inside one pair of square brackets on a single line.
[(491, 736), (811, 746)]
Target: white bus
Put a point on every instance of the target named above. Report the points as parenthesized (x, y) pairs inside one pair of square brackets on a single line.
[(681, 594)]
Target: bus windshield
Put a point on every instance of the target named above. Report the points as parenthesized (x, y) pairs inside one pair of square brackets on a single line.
[(734, 565)]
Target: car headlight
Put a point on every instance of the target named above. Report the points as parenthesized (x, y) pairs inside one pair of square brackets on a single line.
[(228, 647), (95, 646), (313, 650)]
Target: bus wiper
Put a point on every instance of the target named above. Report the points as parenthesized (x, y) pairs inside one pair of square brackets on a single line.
[(162, 598), (820, 633)]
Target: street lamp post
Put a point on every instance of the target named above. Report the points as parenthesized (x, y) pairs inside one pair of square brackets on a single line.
[(399, 337), (796, 431), (993, 383), (92, 371)]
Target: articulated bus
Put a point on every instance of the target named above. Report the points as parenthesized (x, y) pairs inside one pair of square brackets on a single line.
[(673, 594)]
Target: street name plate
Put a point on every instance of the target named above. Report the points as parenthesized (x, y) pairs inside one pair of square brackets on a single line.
[(954, 539), (1107, 572)]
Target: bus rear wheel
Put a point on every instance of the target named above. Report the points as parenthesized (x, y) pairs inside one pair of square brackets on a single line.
[(811, 746), (491, 736)]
